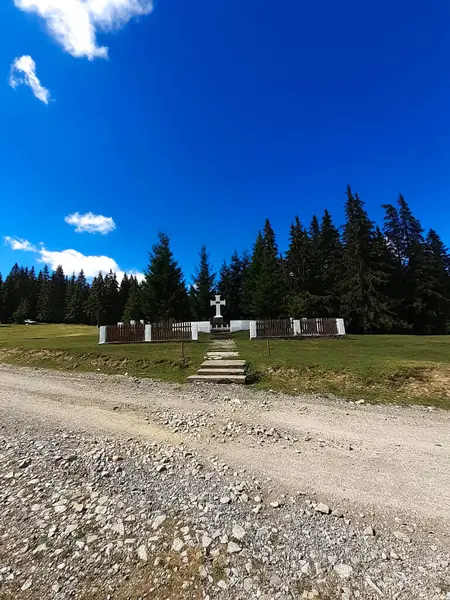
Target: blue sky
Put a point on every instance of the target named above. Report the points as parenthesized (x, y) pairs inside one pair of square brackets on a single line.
[(207, 117)]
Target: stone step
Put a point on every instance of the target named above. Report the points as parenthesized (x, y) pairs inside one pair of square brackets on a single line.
[(223, 364), (224, 354), (221, 372), (218, 378)]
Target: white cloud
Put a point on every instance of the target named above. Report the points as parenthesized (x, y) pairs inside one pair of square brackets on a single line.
[(23, 71), (91, 223), (71, 260), (74, 23), (19, 244)]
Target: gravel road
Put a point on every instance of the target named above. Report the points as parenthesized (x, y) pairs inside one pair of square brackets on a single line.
[(114, 487)]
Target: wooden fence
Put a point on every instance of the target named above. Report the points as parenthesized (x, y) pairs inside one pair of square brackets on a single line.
[(274, 328), (296, 328), (171, 332), (125, 334), (317, 327)]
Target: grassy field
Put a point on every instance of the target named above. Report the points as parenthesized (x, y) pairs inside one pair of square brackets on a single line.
[(75, 348), (403, 369), (384, 368)]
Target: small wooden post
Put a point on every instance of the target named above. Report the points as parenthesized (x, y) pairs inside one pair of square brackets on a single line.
[(182, 349), (268, 347)]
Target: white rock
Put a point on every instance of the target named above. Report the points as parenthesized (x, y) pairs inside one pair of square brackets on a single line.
[(369, 531), (26, 586), (203, 573), (402, 536), (177, 545), (238, 532), (343, 570), (232, 548), (222, 584), (142, 553), (323, 509), (225, 500), (206, 541), (158, 521)]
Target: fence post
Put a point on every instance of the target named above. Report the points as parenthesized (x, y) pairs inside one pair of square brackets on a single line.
[(102, 335), (252, 330), (297, 329), (194, 329), (340, 326), (148, 333)]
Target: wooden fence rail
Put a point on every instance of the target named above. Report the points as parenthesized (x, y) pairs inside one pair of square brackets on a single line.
[(125, 334), (171, 332), (297, 328)]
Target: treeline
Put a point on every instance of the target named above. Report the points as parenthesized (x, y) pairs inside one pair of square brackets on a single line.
[(380, 279)]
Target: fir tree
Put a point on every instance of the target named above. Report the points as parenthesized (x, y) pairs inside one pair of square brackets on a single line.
[(297, 270), (22, 312), (133, 309), (58, 287), (265, 286), (231, 285), (96, 302), (330, 253), (124, 291), (2, 300), (70, 309), (432, 298), (44, 304), (164, 294), (202, 289), (111, 299), (365, 305)]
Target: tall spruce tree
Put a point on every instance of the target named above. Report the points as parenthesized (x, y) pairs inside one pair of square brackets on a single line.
[(202, 289), (2, 300), (58, 287), (164, 294), (366, 307), (44, 304), (70, 306), (96, 302), (111, 298), (133, 307), (296, 269), (124, 291), (330, 253), (231, 285), (264, 289)]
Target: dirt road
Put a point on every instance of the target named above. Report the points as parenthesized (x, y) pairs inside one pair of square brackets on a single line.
[(385, 459)]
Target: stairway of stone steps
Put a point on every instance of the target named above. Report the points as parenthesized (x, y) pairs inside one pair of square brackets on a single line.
[(222, 364)]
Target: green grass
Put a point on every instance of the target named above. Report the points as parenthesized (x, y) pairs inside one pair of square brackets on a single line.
[(384, 368), (75, 348)]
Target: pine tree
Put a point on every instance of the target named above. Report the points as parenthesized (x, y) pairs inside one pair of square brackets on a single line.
[(133, 308), (329, 265), (58, 287), (124, 292), (164, 294), (265, 283), (2, 300), (432, 297), (202, 289), (70, 301), (22, 312), (365, 305), (297, 271), (231, 285), (96, 302), (44, 303), (111, 298)]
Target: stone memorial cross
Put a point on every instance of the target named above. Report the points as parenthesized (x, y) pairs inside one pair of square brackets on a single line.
[(218, 303)]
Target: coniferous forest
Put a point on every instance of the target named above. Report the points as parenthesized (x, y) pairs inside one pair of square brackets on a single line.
[(386, 278)]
